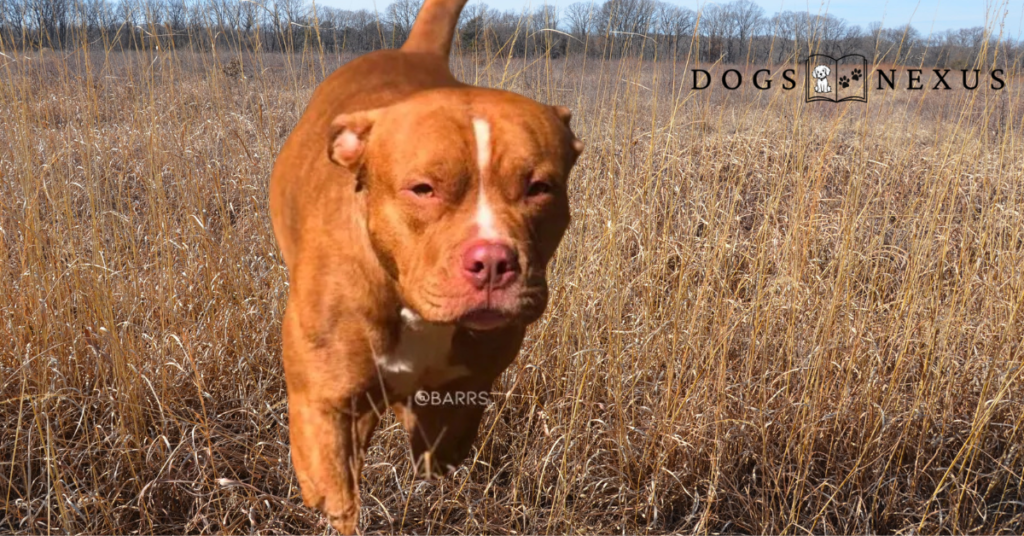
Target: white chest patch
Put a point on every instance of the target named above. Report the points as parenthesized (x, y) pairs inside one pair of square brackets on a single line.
[(421, 357)]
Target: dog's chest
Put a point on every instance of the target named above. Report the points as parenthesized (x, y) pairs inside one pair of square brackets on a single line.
[(421, 357)]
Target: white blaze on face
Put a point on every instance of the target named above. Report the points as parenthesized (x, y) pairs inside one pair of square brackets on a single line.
[(484, 214)]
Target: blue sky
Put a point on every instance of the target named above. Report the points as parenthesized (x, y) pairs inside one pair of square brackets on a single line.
[(925, 15)]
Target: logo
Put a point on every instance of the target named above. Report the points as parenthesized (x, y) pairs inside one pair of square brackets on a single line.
[(846, 79), (451, 398), (836, 80)]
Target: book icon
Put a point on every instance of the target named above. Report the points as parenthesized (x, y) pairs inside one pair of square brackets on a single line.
[(836, 80)]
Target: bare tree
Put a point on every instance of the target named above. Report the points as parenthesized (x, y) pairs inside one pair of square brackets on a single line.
[(248, 17), (827, 33), (713, 26), (542, 40), (675, 26), (746, 19), (177, 16), (401, 14), (12, 22), (473, 24), (51, 19), (581, 18), (627, 23)]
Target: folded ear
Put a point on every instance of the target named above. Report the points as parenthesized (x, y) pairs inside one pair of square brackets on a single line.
[(347, 137), (565, 115)]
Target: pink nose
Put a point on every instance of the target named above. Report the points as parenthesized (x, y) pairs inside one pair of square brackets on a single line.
[(490, 265)]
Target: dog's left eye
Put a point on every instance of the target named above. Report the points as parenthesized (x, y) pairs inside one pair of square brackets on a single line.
[(422, 190), (537, 188)]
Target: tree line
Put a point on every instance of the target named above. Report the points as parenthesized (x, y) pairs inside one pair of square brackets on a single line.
[(734, 32)]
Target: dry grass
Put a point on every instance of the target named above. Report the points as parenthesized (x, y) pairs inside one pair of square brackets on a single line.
[(767, 316)]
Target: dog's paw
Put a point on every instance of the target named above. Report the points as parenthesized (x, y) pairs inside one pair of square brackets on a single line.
[(856, 74), (343, 515), (345, 524), (844, 81), (311, 496)]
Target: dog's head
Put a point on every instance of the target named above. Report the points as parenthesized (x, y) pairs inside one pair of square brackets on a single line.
[(821, 71), (466, 199)]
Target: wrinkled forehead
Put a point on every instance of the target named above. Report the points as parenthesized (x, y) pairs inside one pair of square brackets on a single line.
[(431, 140), (450, 132)]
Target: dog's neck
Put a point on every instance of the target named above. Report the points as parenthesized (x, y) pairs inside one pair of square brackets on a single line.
[(420, 358)]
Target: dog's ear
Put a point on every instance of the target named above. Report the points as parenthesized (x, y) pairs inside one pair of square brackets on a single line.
[(347, 137), (565, 115), (577, 145)]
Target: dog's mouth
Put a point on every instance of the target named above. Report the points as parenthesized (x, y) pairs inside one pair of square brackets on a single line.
[(522, 303), (484, 319), (479, 314)]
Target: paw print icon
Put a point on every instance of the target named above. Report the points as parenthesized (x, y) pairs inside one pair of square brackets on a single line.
[(856, 74), (844, 81)]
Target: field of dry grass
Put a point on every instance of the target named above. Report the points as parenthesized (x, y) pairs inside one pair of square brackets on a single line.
[(767, 316)]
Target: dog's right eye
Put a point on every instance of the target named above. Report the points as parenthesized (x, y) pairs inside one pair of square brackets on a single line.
[(422, 190)]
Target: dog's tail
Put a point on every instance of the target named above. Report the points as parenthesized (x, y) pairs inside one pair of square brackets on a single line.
[(434, 27)]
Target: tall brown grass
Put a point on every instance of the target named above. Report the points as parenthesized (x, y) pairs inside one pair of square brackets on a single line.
[(767, 316)]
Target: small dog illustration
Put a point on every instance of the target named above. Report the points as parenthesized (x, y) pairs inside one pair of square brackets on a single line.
[(821, 72)]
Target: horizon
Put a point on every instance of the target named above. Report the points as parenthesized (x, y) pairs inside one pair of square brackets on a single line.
[(926, 16)]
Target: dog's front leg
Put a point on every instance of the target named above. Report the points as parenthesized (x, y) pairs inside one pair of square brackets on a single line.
[(332, 412), (328, 447), (443, 425)]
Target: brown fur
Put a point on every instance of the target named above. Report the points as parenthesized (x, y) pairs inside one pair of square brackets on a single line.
[(360, 245)]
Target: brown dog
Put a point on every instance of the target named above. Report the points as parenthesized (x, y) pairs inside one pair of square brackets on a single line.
[(416, 216)]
